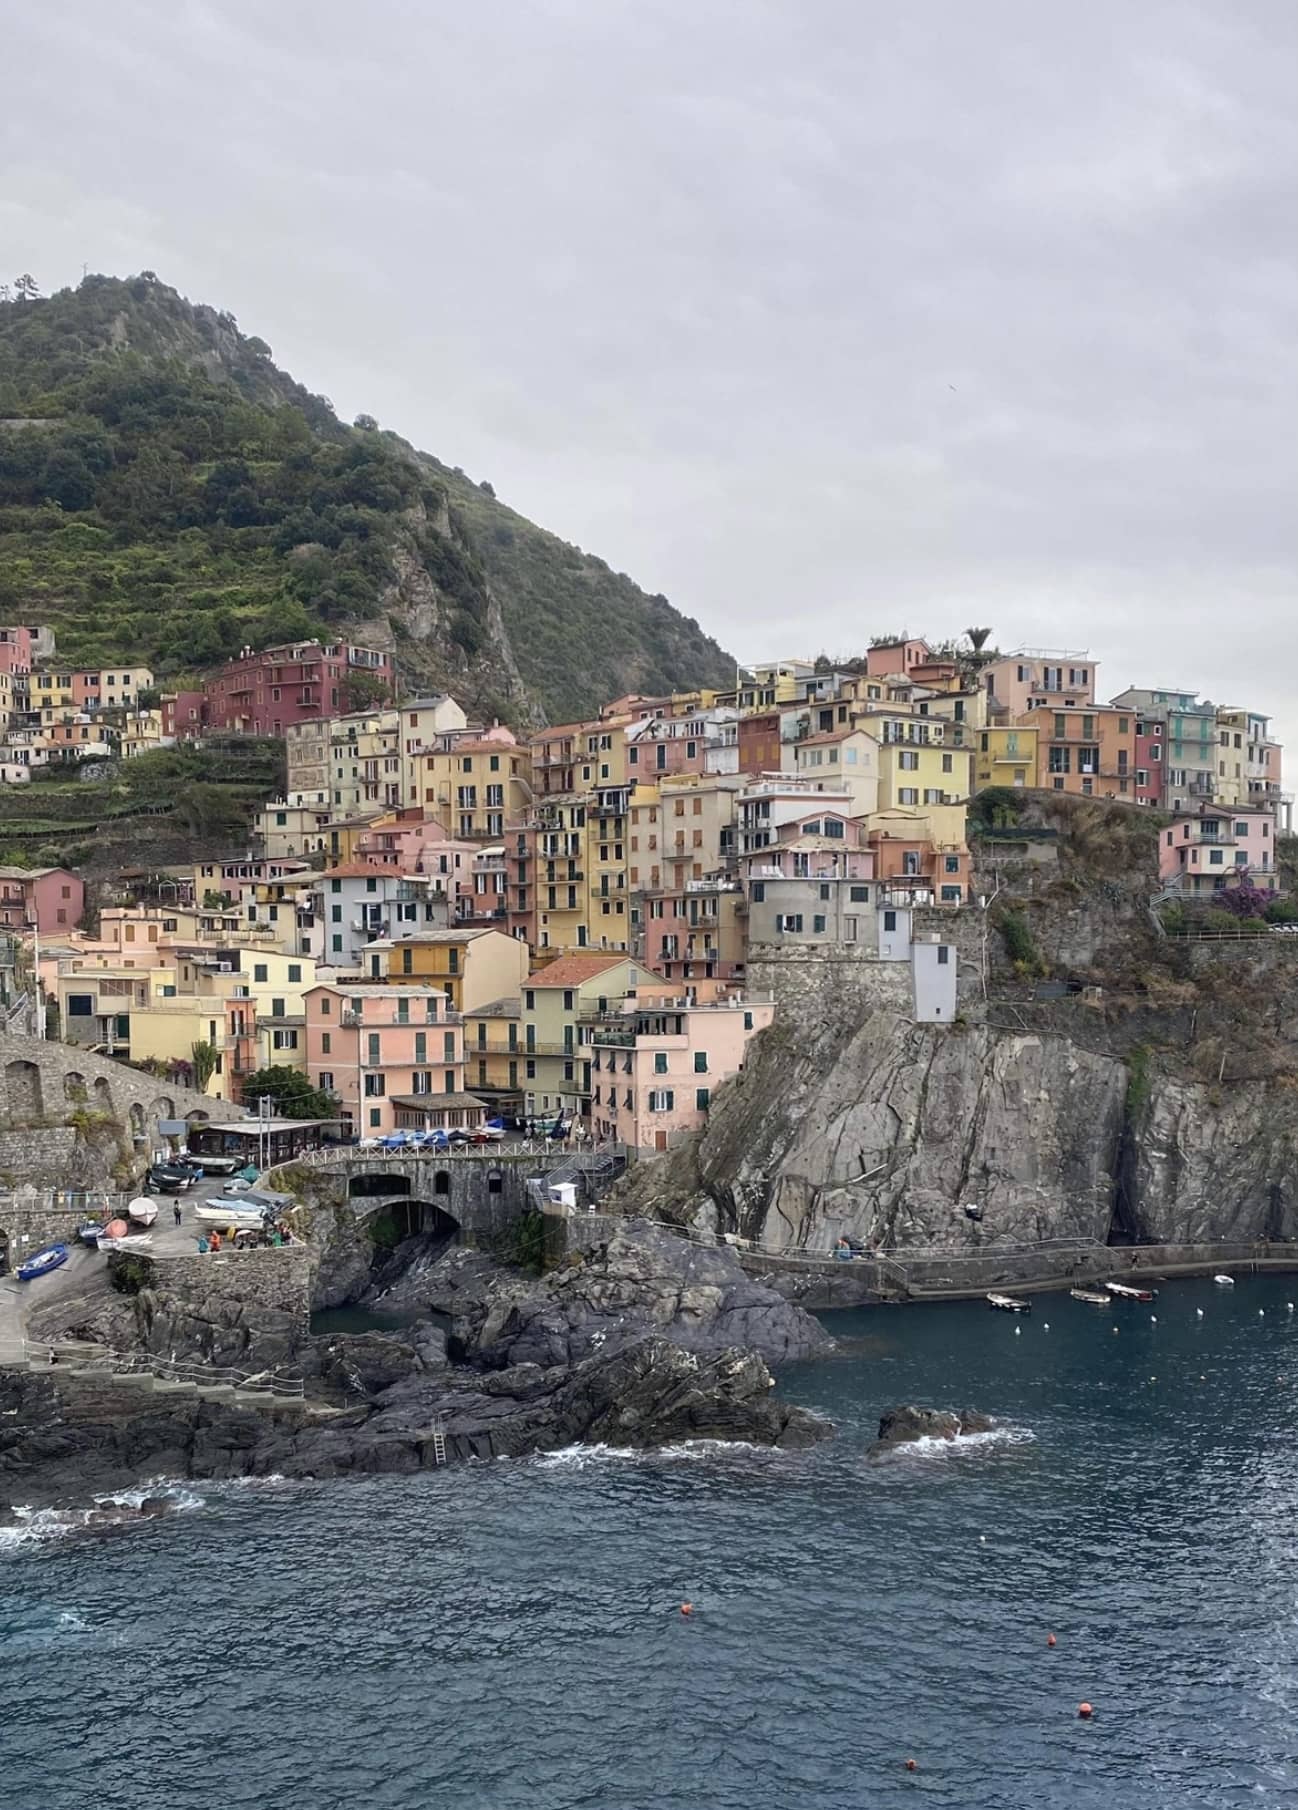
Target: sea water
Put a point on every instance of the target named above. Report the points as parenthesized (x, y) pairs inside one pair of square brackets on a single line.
[(508, 1636)]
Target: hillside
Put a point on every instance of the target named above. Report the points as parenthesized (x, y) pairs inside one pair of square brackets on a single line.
[(167, 491)]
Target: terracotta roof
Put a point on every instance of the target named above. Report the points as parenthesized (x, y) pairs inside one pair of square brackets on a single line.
[(572, 970), (354, 870), (829, 735)]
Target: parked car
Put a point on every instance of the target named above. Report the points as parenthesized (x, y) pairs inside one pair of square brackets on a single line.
[(169, 1178)]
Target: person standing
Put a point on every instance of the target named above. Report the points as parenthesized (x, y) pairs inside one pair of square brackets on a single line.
[(176, 1210)]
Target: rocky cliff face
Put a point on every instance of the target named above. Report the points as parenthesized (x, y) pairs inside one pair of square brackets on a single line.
[(1107, 1122)]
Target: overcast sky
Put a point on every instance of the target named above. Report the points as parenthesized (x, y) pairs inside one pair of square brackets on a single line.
[(824, 317)]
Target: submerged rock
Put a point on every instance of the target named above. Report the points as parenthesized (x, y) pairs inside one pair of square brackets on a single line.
[(901, 1425)]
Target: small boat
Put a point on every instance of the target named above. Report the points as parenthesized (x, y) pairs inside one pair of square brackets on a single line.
[(1127, 1293), (142, 1210), (231, 1213), (1090, 1297), (40, 1263), (1224, 1281), (127, 1241), (116, 1228), (89, 1232), (1009, 1304)]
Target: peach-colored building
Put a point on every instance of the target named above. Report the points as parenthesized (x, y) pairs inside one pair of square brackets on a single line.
[(394, 1056), (1039, 679), (898, 656), (1214, 847), (656, 1063), (51, 898)]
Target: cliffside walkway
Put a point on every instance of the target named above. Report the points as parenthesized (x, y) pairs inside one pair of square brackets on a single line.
[(144, 1369)]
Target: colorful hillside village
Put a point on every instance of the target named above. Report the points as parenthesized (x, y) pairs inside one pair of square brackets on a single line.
[(445, 922)]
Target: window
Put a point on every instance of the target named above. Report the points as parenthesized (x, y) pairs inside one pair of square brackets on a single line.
[(700, 1062), (662, 1099), (531, 1070), (818, 925), (660, 1062), (948, 763), (529, 1000), (907, 795), (908, 760), (1216, 858), (943, 956), (326, 1043), (375, 1086), (824, 889), (81, 1005), (859, 895), (951, 895), (1241, 829), (890, 920), (277, 1009), (702, 1098), (788, 920), (261, 971), (1061, 726), (759, 892), (448, 1046), (326, 1083)]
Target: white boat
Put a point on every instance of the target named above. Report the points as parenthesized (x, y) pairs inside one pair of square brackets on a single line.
[(1224, 1281), (1128, 1293), (231, 1213), (142, 1210), (1090, 1297), (132, 1241), (1009, 1304)]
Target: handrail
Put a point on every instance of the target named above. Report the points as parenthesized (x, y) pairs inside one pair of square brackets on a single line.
[(127, 1363)]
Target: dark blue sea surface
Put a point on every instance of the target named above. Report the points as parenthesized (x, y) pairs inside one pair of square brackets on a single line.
[(507, 1636)]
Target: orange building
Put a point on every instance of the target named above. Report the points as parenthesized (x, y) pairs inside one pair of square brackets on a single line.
[(1090, 752)]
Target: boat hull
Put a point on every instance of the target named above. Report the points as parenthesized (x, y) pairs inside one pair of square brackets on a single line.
[(42, 1263)]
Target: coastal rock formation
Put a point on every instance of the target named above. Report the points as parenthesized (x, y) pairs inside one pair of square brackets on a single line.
[(66, 1436), (868, 1126), (639, 1280), (899, 1426)]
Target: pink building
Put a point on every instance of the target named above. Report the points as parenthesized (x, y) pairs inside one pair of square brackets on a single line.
[(899, 657), (183, 716), (1216, 847), (1149, 761), (51, 898), (695, 931), (394, 1056), (1038, 679), (656, 1063), (15, 650), (300, 682), (705, 742)]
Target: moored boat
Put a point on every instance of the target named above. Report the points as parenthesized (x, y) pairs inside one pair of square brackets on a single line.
[(40, 1263), (89, 1232), (1009, 1304), (142, 1210), (1091, 1298), (231, 1213), (127, 1241), (1126, 1292), (1224, 1281)]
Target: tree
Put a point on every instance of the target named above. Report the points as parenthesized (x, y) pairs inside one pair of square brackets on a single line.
[(366, 423), (977, 638), (1244, 900), (365, 690), (68, 480), (292, 1094), (25, 288), (204, 1055)]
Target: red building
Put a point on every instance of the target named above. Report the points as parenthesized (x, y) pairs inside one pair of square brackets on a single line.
[(15, 649), (183, 715), (1149, 761), (301, 682)]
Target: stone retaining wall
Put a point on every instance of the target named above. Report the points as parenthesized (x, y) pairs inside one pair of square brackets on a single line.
[(266, 1277)]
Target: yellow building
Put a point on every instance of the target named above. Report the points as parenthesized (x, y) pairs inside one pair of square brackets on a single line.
[(493, 1058), (921, 778), (473, 967), (561, 891), (141, 733), (607, 847), (1006, 757), (561, 1004), (473, 786)]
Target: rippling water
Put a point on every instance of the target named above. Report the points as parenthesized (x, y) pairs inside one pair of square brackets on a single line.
[(507, 1636)]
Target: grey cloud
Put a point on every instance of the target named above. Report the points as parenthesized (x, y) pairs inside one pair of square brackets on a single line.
[(692, 283)]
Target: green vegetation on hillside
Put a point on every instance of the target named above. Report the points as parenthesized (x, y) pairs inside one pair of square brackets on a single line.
[(167, 494)]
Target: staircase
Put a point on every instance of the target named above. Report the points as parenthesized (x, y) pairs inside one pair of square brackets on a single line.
[(143, 1370)]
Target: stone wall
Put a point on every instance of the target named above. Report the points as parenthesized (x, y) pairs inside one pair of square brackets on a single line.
[(43, 1082), (263, 1277)]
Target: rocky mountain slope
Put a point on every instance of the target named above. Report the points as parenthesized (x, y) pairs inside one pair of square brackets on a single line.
[(165, 488)]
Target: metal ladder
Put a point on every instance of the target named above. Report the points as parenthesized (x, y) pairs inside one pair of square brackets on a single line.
[(439, 1440)]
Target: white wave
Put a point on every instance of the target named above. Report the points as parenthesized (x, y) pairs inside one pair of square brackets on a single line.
[(577, 1457), (38, 1526), (70, 1619), (931, 1446)]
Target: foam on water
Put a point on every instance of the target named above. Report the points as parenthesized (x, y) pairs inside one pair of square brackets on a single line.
[(39, 1526)]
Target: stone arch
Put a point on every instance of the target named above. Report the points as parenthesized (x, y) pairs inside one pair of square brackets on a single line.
[(103, 1094), (137, 1119), (23, 1088), (424, 1217), (74, 1087), (197, 1117), (164, 1107)]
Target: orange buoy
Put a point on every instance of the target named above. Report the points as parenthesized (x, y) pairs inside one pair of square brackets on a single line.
[(1085, 1711), (1050, 1640), (912, 1765), (687, 1608)]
